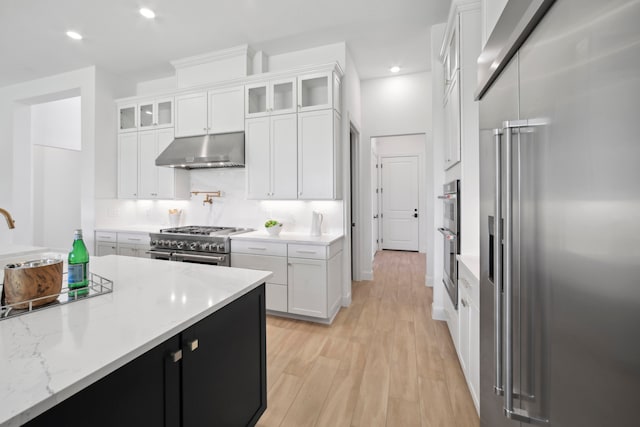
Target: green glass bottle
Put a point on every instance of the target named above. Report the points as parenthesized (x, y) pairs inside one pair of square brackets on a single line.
[(78, 267)]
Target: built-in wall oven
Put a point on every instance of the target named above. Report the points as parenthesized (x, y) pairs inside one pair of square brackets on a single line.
[(451, 233)]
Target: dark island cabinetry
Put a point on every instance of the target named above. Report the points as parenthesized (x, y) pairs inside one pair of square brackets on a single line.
[(211, 374)]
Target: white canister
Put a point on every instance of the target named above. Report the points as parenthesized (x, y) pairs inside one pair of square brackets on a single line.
[(174, 217), (316, 223)]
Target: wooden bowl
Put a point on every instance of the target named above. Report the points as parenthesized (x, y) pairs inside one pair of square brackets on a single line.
[(32, 279)]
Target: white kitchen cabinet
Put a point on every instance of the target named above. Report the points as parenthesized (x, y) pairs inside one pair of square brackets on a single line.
[(127, 117), (138, 175), (270, 97), (191, 114), (155, 114), (159, 182), (307, 287), (306, 281), (452, 143), (106, 248), (459, 52), (318, 91), (216, 111), (271, 157), (226, 110), (128, 165), (318, 165), (469, 329)]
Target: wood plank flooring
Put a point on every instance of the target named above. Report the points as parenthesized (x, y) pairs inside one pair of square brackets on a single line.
[(383, 361)]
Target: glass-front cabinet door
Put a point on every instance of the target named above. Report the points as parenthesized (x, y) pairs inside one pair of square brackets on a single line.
[(315, 92), (256, 100), (155, 114), (127, 118), (283, 96)]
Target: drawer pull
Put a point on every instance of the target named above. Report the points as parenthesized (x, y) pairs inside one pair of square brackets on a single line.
[(300, 251), (257, 249), (176, 356)]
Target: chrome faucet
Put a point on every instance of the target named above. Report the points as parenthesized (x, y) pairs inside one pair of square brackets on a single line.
[(7, 216)]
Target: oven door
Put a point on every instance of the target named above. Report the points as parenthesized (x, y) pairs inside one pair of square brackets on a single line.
[(450, 277), (450, 212), (159, 254), (196, 258)]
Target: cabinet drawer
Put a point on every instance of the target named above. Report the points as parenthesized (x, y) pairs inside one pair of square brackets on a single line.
[(468, 281), (259, 247), (105, 236), (276, 298), (134, 238), (278, 265), (307, 251)]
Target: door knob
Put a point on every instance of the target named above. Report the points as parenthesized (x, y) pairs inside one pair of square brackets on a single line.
[(415, 215)]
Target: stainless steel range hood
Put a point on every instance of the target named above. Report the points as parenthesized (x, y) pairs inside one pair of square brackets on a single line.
[(222, 150)]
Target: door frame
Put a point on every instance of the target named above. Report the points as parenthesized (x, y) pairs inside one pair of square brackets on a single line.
[(355, 211), (419, 198)]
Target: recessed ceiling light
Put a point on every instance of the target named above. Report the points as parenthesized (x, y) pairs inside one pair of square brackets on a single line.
[(74, 35), (394, 69), (147, 13)]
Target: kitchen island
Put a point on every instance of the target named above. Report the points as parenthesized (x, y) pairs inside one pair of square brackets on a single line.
[(173, 344)]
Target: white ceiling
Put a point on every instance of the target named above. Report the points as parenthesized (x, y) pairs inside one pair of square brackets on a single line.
[(379, 33)]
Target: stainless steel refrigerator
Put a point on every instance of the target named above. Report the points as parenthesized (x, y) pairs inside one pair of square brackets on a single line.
[(559, 93)]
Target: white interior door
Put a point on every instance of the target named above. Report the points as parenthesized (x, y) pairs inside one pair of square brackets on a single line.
[(400, 203)]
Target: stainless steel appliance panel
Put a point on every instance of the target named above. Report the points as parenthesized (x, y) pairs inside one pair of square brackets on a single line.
[(571, 96), (500, 101), (584, 207)]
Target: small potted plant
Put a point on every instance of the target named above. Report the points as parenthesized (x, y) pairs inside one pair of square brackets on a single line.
[(273, 227)]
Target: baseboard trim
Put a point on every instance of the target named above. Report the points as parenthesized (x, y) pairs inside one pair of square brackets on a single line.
[(428, 280), (438, 313), (366, 275), (327, 321), (346, 300)]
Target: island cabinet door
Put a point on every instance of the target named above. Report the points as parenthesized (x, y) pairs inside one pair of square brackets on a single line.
[(133, 395), (224, 365)]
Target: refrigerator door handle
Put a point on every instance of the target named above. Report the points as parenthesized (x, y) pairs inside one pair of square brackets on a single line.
[(517, 414), (497, 257)]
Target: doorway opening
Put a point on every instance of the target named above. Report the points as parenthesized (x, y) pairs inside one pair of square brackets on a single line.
[(398, 193)]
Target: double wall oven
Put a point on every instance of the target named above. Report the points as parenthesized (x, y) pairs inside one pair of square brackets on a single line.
[(451, 233)]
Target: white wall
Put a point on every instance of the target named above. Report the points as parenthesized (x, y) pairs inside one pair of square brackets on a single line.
[(316, 55), (57, 123), (435, 272), (15, 144), (410, 145), (397, 105)]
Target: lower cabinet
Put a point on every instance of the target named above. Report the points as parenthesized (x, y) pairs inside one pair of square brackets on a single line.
[(468, 344), (306, 281), (127, 244), (213, 373)]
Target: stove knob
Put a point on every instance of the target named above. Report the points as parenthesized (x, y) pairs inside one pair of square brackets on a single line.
[(154, 243), (220, 247), (194, 245), (171, 243), (179, 245), (161, 243), (204, 246)]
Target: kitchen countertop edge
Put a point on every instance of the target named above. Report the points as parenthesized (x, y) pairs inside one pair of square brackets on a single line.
[(289, 237)]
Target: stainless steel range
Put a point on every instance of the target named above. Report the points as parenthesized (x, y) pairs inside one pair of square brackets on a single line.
[(197, 244)]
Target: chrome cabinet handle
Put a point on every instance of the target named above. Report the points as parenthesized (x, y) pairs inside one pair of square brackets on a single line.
[(447, 234), (193, 345), (463, 302), (497, 256), (257, 249), (447, 196), (306, 252), (176, 356)]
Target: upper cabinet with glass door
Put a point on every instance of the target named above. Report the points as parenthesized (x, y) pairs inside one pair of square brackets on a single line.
[(318, 91), (127, 118), (270, 97), (155, 114)]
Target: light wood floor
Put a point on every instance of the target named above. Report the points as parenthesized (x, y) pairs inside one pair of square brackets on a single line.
[(383, 361)]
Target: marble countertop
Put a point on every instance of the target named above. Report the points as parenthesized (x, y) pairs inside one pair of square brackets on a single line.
[(289, 237), (472, 262), (49, 355)]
